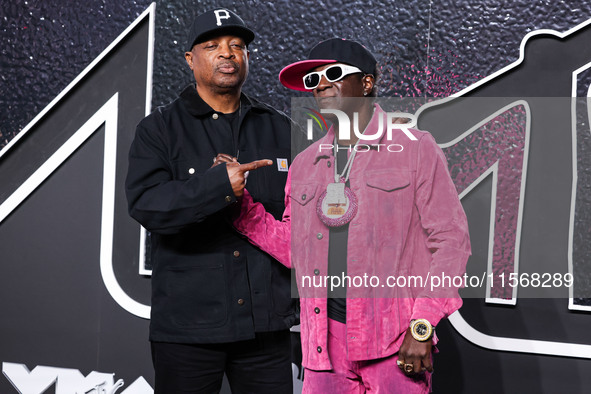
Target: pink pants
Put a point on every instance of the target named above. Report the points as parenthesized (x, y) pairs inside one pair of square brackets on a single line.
[(381, 376)]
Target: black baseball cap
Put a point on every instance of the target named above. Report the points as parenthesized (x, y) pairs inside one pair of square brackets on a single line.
[(334, 50), (214, 23)]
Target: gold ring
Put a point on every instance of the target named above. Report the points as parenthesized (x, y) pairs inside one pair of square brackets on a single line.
[(400, 363), (408, 368)]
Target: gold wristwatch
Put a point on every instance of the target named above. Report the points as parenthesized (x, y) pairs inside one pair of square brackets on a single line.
[(421, 329)]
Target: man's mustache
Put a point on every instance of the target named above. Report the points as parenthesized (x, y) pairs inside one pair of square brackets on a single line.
[(227, 63)]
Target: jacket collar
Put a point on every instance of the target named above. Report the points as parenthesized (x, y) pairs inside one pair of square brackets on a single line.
[(197, 107)]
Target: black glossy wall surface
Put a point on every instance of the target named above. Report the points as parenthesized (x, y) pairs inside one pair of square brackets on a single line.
[(424, 49)]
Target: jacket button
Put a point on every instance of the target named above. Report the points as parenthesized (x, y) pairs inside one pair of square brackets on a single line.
[(316, 271), (228, 198), (191, 171), (328, 164), (236, 253), (240, 301), (215, 116), (319, 235), (317, 310), (303, 196), (319, 349)]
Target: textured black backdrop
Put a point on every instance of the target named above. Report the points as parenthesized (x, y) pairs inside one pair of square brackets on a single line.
[(424, 49)]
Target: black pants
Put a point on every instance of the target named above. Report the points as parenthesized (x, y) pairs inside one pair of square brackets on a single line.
[(257, 366)]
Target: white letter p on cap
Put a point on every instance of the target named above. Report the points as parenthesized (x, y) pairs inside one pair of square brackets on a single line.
[(219, 16)]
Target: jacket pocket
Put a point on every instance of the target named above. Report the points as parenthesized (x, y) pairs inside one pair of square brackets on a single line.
[(387, 181), (267, 184), (197, 296), (303, 193), (281, 284)]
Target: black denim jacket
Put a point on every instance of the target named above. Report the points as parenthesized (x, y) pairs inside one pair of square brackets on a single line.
[(209, 284)]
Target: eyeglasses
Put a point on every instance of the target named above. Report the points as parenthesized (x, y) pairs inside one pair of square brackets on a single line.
[(332, 74)]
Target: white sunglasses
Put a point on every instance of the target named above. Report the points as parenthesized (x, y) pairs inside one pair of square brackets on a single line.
[(332, 74)]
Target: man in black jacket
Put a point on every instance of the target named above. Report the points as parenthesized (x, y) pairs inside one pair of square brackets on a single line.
[(218, 303)]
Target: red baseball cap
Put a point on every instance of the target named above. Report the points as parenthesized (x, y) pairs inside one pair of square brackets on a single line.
[(334, 50)]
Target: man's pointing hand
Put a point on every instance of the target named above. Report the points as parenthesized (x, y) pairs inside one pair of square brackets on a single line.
[(237, 173)]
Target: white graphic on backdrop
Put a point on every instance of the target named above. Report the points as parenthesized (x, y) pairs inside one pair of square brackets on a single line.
[(68, 381)]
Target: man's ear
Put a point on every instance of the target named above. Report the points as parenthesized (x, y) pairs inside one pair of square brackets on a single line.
[(189, 59), (368, 81)]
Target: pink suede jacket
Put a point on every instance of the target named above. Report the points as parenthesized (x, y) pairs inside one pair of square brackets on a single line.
[(409, 223)]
